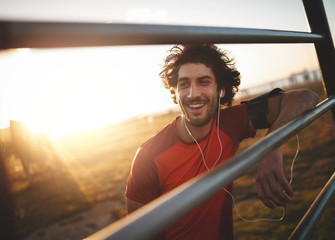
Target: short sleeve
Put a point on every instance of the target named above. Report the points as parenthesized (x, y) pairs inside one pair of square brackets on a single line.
[(247, 131), (236, 123), (143, 183)]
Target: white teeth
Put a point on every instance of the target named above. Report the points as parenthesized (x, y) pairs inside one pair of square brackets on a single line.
[(196, 105)]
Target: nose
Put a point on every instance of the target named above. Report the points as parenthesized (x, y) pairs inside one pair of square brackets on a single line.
[(194, 91)]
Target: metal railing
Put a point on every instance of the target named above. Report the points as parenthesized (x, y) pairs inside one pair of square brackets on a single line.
[(54, 34), (154, 217), (312, 216)]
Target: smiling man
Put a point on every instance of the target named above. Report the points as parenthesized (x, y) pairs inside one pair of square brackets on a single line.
[(203, 81), (194, 80)]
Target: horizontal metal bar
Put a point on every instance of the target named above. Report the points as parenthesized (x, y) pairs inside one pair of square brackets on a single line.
[(160, 213), (70, 34), (313, 215)]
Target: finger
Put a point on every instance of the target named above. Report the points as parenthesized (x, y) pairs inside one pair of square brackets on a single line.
[(263, 194), (278, 197), (265, 201), (273, 192), (285, 185)]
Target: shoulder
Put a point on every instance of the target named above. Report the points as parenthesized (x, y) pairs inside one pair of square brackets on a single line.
[(143, 181), (234, 121), (161, 140), (235, 111)]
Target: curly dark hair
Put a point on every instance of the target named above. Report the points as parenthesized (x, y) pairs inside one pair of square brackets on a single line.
[(211, 56)]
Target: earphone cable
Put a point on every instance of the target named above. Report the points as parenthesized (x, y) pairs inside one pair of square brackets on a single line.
[(232, 197)]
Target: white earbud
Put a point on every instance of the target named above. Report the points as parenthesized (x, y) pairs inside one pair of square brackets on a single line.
[(221, 93)]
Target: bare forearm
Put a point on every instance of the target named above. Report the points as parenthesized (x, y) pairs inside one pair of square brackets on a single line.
[(293, 104), (272, 186)]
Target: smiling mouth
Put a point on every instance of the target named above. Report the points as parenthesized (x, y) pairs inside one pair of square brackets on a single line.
[(195, 106)]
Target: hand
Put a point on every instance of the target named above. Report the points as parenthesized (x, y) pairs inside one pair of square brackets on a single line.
[(272, 186)]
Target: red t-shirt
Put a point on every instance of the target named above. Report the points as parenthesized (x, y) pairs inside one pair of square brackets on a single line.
[(164, 162)]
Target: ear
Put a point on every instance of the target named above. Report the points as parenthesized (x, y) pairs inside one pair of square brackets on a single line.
[(222, 92)]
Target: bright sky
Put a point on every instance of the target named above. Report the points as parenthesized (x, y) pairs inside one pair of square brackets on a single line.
[(63, 91)]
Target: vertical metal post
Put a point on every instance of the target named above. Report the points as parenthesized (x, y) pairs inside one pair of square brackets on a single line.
[(313, 215), (318, 23)]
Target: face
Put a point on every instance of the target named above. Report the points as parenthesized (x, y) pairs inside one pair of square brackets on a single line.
[(197, 93)]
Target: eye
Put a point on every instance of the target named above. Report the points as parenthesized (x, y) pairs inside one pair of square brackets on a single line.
[(204, 82), (183, 84)]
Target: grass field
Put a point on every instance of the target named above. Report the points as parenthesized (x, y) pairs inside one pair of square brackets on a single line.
[(89, 168)]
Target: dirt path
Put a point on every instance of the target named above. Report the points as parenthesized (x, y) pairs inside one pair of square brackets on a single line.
[(80, 225)]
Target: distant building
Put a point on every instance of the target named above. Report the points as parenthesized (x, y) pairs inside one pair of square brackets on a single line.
[(295, 79)]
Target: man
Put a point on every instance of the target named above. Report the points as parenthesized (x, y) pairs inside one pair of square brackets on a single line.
[(200, 78)]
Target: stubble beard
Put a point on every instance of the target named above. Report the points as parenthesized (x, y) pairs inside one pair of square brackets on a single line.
[(200, 122)]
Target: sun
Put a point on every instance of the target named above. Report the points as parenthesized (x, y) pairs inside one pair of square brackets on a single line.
[(55, 92), (61, 92)]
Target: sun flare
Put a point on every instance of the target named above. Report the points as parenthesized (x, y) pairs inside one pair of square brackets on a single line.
[(66, 91)]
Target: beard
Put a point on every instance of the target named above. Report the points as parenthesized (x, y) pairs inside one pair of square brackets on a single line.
[(196, 121)]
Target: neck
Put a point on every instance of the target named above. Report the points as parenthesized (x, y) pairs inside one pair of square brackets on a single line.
[(198, 132)]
